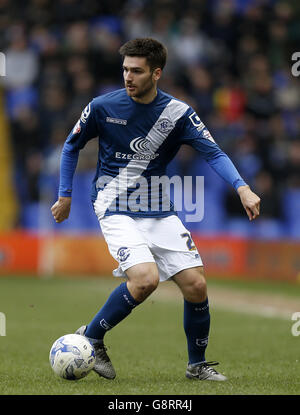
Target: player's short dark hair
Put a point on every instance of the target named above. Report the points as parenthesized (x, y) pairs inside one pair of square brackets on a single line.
[(154, 51)]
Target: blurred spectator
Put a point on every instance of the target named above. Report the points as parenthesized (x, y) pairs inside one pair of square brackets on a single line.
[(27, 151), (135, 21), (264, 186), (190, 45), (292, 178), (76, 39), (201, 89), (25, 134), (56, 141), (261, 100), (19, 56), (230, 100), (246, 157), (53, 109)]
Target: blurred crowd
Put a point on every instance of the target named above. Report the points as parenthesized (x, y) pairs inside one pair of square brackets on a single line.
[(229, 59)]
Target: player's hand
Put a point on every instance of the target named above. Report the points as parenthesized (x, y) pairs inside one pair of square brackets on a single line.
[(61, 209), (250, 201)]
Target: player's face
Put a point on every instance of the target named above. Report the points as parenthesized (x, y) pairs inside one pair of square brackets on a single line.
[(140, 81)]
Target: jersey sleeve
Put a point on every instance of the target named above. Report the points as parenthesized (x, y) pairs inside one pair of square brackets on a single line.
[(193, 132), (84, 130)]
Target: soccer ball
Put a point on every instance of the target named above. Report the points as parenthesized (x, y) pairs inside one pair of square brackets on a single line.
[(72, 356)]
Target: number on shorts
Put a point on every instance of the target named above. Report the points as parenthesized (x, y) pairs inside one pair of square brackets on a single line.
[(189, 242)]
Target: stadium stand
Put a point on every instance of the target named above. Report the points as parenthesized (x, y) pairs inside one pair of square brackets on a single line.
[(230, 60)]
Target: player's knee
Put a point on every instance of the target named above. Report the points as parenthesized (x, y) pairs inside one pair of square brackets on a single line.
[(143, 280), (200, 288), (196, 290), (148, 282)]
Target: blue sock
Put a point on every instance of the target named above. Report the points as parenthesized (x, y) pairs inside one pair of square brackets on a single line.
[(119, 304), (196, 327)]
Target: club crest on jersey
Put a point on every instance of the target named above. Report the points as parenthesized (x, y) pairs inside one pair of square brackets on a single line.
[(123, 253), (85, 113), (164, 125)]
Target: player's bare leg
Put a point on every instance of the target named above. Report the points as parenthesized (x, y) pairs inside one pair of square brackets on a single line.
[(142, 281), (192, 284)]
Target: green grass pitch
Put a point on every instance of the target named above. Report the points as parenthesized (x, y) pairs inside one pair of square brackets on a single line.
[(259, 355)]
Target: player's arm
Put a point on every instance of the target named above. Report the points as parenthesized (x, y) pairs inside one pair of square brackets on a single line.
[(196, 134), (84, 130)]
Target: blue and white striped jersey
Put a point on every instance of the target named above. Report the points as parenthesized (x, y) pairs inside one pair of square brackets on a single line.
[(136, 143)]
